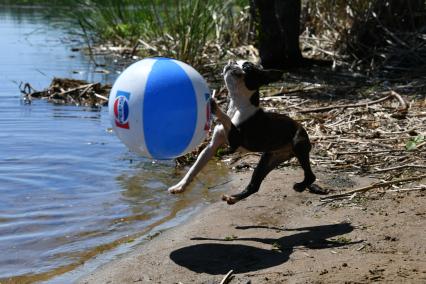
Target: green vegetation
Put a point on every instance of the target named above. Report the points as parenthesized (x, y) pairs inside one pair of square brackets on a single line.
[(277, 247), (182, 29), (231, 238), (359, 34), (30, 2), (414, 142), (342, 240)]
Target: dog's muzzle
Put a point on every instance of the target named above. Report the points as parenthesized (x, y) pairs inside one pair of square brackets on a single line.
[(233, 69), (231, 66)]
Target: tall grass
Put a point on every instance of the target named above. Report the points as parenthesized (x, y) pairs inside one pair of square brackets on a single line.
[(182, 29)]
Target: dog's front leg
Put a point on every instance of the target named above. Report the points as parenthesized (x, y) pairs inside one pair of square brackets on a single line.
[(218, 139), (232, 133)]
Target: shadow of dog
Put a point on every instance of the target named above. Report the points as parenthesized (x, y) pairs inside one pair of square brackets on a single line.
[(219, 258)]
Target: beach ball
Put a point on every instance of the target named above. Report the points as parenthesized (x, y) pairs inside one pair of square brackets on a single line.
[(159, 108)]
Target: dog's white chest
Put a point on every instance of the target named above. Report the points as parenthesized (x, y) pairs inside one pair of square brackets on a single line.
[(237, 118), (240, 113)]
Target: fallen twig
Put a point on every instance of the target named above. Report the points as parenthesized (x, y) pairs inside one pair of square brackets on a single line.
[(148, 46), (86, 89), (421, 145), (375, 185), (101, 97), (391, 94), (227, 278), (398, 168), (420, 187), (220, 184), (83, 87), (369, 152)]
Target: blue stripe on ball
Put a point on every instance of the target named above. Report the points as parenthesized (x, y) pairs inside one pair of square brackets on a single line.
[(169, 110)]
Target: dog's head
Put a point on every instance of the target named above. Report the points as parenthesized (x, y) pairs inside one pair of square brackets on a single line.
[(244, 78)]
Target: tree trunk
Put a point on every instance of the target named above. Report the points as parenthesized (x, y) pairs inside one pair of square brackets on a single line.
[(278, 32)]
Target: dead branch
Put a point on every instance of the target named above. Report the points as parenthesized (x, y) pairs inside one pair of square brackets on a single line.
[(402, 101), (391, 95), (421, 145), (27, 89), (420, 187), (375, 185), (369, 152), (71, 91), (87, 89), (101, 97), (228, 277), (84, 88), (398, 168)]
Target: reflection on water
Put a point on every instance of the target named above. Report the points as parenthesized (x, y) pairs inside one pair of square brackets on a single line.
[(69, 189)]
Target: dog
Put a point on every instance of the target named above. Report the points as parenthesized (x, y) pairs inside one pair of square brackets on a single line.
[(247, 126)]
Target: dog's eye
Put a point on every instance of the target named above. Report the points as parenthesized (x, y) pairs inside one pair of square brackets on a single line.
[(247, 65)]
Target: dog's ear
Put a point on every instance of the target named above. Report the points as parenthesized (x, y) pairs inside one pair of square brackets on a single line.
[(271, 75), (255, 76)]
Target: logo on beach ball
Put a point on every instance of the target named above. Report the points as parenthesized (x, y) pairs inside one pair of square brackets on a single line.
[(159, 108), (121, 110)]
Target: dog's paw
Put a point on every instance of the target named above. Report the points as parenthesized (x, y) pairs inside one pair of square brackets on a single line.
[(213, 106), (229, 199), (316, 189), (178, 188), (299, 186)]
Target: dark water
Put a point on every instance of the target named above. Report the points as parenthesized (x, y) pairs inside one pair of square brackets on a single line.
[(69, 189)]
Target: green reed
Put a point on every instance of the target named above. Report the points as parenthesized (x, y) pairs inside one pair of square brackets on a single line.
[(182, 29)]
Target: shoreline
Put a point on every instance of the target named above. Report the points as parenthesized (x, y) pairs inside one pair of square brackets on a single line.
[(279, 235), (124, 249)]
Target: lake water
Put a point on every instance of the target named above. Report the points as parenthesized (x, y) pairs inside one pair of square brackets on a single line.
[(70, 191)]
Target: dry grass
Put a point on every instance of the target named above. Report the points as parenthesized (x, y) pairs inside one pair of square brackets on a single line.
[(367, 36)]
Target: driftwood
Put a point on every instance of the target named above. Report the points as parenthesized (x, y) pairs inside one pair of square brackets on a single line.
[(69, 91)]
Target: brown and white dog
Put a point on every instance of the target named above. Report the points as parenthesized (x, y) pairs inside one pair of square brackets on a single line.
[(247, 126)]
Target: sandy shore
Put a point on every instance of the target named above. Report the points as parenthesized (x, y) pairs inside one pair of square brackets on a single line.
[(281, 236)]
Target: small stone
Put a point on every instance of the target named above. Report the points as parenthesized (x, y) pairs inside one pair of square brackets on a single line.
[(325, 271)]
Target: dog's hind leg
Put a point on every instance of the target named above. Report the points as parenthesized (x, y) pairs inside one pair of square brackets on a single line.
[(267, 163), (301, 148), (309, 179), (301, 151), (218, 139)]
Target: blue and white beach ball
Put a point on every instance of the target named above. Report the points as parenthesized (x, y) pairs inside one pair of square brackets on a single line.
[(159, 108)]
